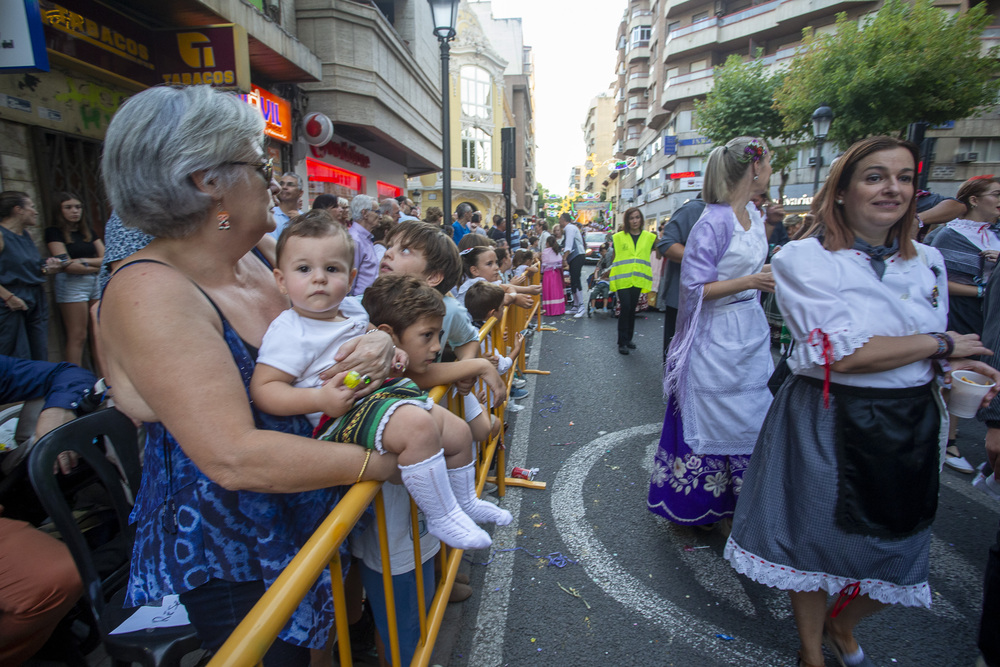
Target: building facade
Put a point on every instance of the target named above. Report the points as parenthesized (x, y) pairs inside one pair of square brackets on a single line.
[(667, 54), (491, 84), (598, 140)]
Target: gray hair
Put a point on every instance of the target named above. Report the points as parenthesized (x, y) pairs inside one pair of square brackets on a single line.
[(292, 174), (163, 135), (342, 201), (462, 209), (359, 205), (724, 170), (386, 207)]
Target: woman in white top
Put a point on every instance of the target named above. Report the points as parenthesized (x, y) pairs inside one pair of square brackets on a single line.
[(842, 488), (719, 361), (970, 246)]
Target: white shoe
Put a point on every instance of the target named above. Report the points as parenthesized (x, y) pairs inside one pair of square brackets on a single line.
[(430, 487), (581, 312), (514, 407), (519, 383), (463, 484), (959, 464)]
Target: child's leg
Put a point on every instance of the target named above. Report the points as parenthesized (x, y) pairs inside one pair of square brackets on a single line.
[(456, 437), (426, 476), (480, 426), (463, 479)]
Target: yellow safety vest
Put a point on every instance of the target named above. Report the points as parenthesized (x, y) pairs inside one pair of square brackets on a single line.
[(631, 267)]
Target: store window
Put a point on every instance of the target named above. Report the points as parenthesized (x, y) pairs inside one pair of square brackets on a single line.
[(477, 147), (476, 88)]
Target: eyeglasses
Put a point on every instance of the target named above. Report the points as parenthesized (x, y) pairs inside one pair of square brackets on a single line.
[(266, 168)]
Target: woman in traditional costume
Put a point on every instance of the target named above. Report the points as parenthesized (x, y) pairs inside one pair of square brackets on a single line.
[(843, 485), (719, 361)]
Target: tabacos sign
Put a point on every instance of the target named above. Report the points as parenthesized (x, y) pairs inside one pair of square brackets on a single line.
[(216, 55), (277, 112)]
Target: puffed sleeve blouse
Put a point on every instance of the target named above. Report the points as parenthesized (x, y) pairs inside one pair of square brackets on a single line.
[(834, 302)]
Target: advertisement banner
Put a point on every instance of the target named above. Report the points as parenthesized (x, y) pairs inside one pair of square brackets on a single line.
[(216, 54), (277, 112), (98, 38)]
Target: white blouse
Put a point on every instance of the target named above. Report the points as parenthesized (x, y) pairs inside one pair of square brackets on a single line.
[(838, 294), (745, 255)]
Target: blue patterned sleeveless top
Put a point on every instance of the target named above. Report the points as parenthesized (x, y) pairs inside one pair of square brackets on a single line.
[(189, 529)]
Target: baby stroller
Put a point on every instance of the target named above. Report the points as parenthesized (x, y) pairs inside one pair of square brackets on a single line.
[(601, 295)]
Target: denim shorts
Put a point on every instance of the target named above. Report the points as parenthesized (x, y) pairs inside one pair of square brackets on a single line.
[(73, 287), (404, 587)]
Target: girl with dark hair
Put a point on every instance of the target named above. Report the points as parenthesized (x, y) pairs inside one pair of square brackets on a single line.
[(70, 237), (836, 502), (719, 360)]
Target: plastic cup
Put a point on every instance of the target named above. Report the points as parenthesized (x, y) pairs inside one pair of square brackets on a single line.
[(968, 389)]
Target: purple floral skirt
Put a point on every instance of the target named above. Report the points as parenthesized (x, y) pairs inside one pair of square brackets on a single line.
[(689, 488)]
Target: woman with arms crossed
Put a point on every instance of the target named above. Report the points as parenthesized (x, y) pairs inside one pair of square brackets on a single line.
[(228, 493), (836, 501)]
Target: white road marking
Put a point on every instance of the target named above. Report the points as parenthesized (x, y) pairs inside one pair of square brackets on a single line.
[(568, 510)]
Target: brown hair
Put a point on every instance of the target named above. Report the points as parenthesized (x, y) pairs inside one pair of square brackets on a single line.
[(62, 224), (399, 300), (628, 214), (830, 222), (470, 256), (976, 186), (439, 251), (433, 215), (315, 224), (482, 298), (522, 257), (727, 164), (475, 240)]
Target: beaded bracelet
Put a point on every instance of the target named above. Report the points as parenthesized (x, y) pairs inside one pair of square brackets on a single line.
[(946, 345)]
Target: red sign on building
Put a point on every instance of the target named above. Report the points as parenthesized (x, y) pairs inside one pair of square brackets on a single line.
[(327, 173)]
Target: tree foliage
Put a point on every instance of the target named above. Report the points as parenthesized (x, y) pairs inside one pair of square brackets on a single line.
[(741, 103), (907, 63)]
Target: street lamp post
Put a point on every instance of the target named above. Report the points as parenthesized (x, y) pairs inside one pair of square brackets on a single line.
[(821, 120), (444, 14)]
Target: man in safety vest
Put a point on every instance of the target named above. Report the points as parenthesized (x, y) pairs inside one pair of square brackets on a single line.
[(631, 273)]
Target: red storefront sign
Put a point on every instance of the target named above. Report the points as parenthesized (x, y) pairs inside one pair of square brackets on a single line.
[(388, 190), (327, 173), (277, 113)]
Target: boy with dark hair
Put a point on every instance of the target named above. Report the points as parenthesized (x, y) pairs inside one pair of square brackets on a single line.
[(484, 300)]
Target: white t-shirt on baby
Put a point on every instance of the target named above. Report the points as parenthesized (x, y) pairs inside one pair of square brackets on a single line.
[(304, 347)]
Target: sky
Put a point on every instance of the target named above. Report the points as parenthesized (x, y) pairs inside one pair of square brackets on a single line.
[(573, 42)]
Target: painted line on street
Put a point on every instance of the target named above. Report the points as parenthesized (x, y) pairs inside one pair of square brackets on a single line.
[(568, 510)]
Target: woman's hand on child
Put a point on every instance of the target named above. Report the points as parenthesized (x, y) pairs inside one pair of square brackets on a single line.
[(371, 355)]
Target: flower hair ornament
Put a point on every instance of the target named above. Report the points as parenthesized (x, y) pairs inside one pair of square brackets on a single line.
[(753, 152)]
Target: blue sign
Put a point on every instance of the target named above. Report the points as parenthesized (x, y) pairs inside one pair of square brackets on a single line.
[(22, 46), (696, 141), (670, 145)]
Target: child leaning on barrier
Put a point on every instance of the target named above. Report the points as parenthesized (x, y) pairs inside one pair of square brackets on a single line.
[(315, 269), (390, 305), (484, 300), (423, 251)]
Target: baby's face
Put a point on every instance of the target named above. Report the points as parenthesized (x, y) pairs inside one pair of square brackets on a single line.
[(316, 274)]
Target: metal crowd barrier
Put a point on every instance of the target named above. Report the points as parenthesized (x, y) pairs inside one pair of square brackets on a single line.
[(255, 634)]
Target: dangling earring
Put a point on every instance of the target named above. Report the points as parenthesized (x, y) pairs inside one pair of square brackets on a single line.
[(223, 217), (756, 177), (840, 202)]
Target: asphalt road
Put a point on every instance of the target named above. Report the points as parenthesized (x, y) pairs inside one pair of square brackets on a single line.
[(636, 590)]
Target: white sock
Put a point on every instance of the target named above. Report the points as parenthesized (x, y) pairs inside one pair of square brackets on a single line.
[(463, 484), (428, 485), (853, 658)]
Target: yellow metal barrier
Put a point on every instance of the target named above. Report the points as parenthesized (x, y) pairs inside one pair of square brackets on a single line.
[(253, 637)]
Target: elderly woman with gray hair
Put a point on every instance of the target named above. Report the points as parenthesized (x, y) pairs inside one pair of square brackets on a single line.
[(364, 218), (228, 493)]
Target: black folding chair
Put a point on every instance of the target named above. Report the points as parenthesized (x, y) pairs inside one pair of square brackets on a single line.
[(105, 592)]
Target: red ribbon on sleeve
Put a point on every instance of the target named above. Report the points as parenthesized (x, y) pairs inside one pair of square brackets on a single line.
[(824, 341)]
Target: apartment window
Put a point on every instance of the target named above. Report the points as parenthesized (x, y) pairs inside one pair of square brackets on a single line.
[(988, 149), (622, 42), (673, 26), (683, 121), (476, 87), (477, 147), (699, 65), (699, 16), (640, 36), (673, 72)]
